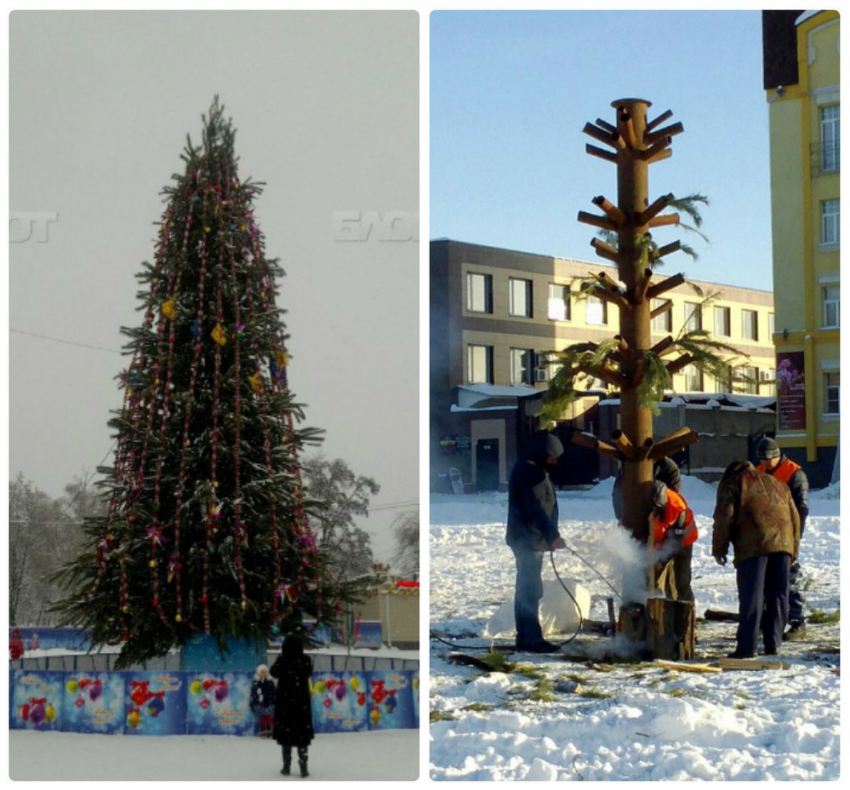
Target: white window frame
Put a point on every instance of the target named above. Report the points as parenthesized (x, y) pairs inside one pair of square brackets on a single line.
[(831, 306), (750, 384), (727, 314), (512, 307), (488, 292), (598, 305), (560, 306), (528, 367), (831, 222), (830, 137), (771, 327), (750, 324), (694, 379), (836, 398), (663, 322), (488, 363), (693, 314)]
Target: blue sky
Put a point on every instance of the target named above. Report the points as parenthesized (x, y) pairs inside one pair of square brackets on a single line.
[(511, 92)]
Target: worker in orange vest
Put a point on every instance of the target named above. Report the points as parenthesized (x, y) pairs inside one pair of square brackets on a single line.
[(774, 463), (674, 533)]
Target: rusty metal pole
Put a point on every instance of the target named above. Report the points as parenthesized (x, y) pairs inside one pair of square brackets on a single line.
[(635, 322)]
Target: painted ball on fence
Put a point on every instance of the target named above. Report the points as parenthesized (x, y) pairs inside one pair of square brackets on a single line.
[(37, 714), (205, 703), (340, 691), (354, 683), (156, 707), (49, 714), (196, 687), (24, 712), (79, 702), (95, 691), (221, 693), (361, 698), (327, 703), (375, 715), (72, 686), (319, 687), (390, 704), (134, 718)]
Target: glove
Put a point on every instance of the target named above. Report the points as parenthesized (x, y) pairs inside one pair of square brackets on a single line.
[(721, 559), (558, 543)]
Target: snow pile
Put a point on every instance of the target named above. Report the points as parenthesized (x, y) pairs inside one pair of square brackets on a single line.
[(832, 491), (569, 720)]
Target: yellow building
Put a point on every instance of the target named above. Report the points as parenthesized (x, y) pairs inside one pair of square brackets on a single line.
[(801, 78)]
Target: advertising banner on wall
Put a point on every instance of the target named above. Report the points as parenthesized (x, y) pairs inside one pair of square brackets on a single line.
[(94, 702), (339, 701), (36, 700), (391, 700), (71, 639), (154, 703), (791, 390), (218, 703)]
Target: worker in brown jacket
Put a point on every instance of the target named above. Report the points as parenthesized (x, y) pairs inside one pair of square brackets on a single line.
[(755, 513)]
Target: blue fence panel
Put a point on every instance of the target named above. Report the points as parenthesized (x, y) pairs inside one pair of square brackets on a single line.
[(391, 700), (93, 702), (218, 703), (339, 701), (35, 700), (154, 703)]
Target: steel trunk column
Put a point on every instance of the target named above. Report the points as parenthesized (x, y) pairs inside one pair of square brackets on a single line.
[(635, 323)]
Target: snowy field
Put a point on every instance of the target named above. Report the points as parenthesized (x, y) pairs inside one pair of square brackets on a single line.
[(46, 756), (577, 716)]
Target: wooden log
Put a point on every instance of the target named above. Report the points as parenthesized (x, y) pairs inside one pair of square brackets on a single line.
[(627, 129), (612, 297), (680, 666), (632, 623), (624, 445), (606, 126), (673, 246), (654, 291), (664, 346), (751, 664), (662, 308), (679, 364), (668, 131), (656, 149), (614, 213), (594, 443), (671, 628), (645, 449), (642, 285), (669, 446), (666, 153)]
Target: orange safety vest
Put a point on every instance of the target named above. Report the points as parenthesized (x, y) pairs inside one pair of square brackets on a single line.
[(676, 505), (784, 472)]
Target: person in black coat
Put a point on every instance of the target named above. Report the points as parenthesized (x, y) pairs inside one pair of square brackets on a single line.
[(532, 530), (293, 712), (262, 699)]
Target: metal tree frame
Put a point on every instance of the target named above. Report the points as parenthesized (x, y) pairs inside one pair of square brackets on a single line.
[(635, 145)]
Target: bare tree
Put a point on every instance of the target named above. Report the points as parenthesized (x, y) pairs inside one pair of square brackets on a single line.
[(406, 536)]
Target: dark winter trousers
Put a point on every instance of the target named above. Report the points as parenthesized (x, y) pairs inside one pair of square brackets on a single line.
[(302, 758), (529, 591), (682, 573), (796, 601), (762, 585)]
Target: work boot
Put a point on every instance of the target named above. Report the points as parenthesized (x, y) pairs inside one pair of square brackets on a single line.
[(736, 654), (287, 760), (303, 765), (795, 632)]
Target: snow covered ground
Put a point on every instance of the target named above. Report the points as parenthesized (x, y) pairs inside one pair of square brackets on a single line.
[(46, 756), (553, 717)]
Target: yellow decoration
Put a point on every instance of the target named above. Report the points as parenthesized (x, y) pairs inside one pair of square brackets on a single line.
[(49, 713), (72, 686), (152, 563), (125, 608), (320, 687), (354, 683), (196, 687), (179, 619), (256, 383), (219, 335), (169, 309), (244, 604), (282, 359), (206, 229)]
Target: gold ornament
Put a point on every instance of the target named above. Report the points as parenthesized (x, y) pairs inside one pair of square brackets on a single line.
[(169, 309), (218, 334), (256, 383)]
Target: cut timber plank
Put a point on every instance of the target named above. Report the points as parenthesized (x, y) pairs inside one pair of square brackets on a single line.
[(751, 664), (682, 666), (716, 614)]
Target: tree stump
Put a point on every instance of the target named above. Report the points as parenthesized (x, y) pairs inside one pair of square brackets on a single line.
[(671, 628)]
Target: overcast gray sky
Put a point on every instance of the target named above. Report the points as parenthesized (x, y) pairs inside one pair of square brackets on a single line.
[(327, 110)]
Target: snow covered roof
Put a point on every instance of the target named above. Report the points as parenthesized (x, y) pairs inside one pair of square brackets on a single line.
[(461, 409), (498, 391)]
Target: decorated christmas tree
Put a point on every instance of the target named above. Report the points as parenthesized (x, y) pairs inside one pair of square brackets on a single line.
[(207, 528)]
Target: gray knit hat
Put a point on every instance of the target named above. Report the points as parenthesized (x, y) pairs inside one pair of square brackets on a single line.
[(767, 448)]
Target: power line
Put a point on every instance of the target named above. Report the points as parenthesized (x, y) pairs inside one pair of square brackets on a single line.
[(415, 503), (65, 342)]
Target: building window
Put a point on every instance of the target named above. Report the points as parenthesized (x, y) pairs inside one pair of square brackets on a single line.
[(693, 316), (749, 324), (520, 297), (767, 382), (597, 310), (479, 292), (832, 391), (771, 325), (559, 302), (831, 222), (480, 364), (830, 137), (693, 379), (722, 322), (522, 366), (663, 322), (749, 379), (831, 307)]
